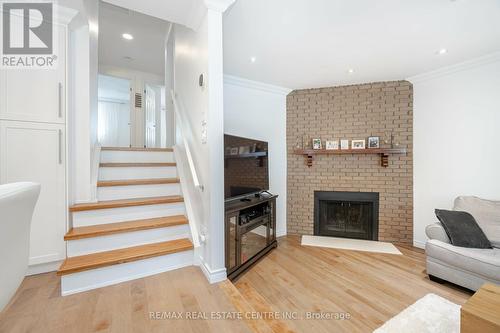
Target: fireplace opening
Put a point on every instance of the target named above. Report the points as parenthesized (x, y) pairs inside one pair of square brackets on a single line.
[(346, 214)]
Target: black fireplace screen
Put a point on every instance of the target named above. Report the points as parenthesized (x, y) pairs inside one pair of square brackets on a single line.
[(346, 214)]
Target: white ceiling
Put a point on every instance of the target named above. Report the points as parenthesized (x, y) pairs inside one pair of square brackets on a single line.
[(313, 43), (147, 47), (185, 12)]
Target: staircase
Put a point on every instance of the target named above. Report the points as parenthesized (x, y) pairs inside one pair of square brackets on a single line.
[(136, 228)]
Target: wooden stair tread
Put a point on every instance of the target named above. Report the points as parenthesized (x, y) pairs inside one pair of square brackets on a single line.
[(136, 149), (120, 256), (126, 203), (129, 182), (128, 226), (139, 164)]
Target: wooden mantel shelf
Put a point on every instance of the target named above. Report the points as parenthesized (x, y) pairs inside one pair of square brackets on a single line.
[(383, 152)]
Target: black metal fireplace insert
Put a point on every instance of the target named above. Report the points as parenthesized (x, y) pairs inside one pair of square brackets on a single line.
[(346, 214)]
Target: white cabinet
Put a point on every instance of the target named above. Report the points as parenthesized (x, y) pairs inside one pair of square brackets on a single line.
[(36, 94), (33, 144), (35, 152)]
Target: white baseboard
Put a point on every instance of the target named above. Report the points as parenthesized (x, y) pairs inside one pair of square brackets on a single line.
[(280, 233), (43, 268), (213, 276), (419, 244)]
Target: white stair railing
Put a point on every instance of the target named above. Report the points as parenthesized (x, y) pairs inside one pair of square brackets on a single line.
[(191, 188), (184, 127)]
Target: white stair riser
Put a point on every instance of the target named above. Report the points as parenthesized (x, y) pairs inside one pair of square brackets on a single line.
[(137, 191), (109, 275), (84, 246), (122, 214), (111, 156), (106, 173)]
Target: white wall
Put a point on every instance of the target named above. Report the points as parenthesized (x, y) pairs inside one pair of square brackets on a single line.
[(169, 85), (456, 137), (258, 111), (131, 74), (79, 121), (92, 12), (82, 93), (200, 52)]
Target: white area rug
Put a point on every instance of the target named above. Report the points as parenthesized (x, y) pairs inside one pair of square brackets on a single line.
[(349, 244), (430, 314)]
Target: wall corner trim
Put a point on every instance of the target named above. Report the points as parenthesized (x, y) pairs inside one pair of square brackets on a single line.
[(419, 244), (462, 66), (213, 276), (245, 83)]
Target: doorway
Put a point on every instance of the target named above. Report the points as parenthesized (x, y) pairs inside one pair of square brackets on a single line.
[(154, 115), (132, 63), (114, 109)]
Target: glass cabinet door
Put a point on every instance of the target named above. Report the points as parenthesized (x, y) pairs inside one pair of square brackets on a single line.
[(253, 241), (231, 242)]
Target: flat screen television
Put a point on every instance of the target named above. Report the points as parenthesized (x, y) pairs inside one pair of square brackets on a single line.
[(246, 168)]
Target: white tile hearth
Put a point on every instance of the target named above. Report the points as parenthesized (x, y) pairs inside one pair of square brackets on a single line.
[(349, 244)]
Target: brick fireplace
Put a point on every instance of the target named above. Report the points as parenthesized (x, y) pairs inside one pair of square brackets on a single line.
[(381, 109)]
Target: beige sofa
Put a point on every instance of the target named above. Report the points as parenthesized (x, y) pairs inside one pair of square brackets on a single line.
[(466, 267)]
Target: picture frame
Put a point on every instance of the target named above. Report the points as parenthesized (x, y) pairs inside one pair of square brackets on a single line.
[(358, 144), (373, 142), (344, 144), (332, 145), (316, 144), (234, 151), (244, 150)]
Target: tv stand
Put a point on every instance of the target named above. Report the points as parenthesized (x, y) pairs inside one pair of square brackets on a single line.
[(250, 231)]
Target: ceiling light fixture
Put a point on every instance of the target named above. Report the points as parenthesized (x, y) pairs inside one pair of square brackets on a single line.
[(127, 36), (253, 59), (350, 71), (442, 51)]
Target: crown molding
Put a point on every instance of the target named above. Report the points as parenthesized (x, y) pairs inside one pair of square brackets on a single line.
[(245, 83), (466, 65), (218, 5)]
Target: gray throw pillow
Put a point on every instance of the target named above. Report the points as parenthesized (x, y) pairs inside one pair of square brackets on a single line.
[(462, 229)]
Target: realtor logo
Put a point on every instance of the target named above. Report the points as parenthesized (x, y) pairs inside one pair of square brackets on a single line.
[(27, 35)]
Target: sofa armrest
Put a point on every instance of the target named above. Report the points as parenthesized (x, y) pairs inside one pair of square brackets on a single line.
[(436, 231)]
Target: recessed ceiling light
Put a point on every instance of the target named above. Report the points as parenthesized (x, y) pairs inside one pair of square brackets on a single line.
[(127, 36), (442, 51), (253, 59), (128, 58), (350, 71)]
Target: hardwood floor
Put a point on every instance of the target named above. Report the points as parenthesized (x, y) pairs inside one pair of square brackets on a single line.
[(371, 287), (290, 281), (125, 307)]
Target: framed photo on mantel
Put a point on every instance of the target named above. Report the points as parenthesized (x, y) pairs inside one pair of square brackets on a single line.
[(332, 145), (317, 144), (373, 142), (358, 144)]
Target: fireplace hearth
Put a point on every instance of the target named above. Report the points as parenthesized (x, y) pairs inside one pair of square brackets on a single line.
[(346, 214)]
